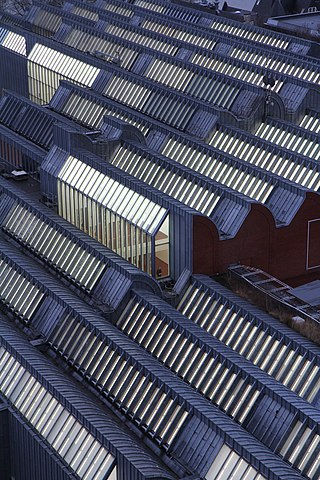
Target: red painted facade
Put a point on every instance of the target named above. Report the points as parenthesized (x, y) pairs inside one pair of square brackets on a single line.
[(283, 251)]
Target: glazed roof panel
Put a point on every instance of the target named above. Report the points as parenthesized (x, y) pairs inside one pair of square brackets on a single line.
[(13, 41), (65, 65), (111, 194), (65, 434)]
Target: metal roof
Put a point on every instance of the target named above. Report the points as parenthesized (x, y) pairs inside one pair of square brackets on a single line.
[(198, 19), (75, 404), (246, 61), (85, 339), (258, 184), (309, 292), (170, 374), (113, 276), (123, 201), (13, 41), (30, 120)]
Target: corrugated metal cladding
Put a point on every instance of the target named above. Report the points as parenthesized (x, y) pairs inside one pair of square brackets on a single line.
[(257, 180), (108, 368), (102, 273), (55, 430), (4, 441), (251, 181), (113, 367), (13, 73), (140, 136), (30, 457)]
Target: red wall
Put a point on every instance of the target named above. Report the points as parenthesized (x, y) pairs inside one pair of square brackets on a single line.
[(280, 251), (289, 250), (205, 240)]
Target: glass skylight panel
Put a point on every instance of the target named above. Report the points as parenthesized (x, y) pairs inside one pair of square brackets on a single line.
[(73, 442), (143, 215), (173, 180), (83, 12), (261, 37), (127, 12), (15, 42), (289, 140), (263, 158), (306, 176), (311, 122), (316, 184), (314, 150), (62, 252), (258, 345), (265, 131), (177, 351), (47, 20), (3, 33), (228, 175), (85, 110), (239, 72), (174, 32), (228, 465), (161, 45), (122, 194), (282, 66), (110, 371), (149, 6), (64, 65), (169, 74), (128, 92), (297, 441), (108, 191), (119, 192), (17, 291), (204, 60)]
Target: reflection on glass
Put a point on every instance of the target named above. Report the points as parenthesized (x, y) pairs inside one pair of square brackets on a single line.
[(128, 223), (162, 250)]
